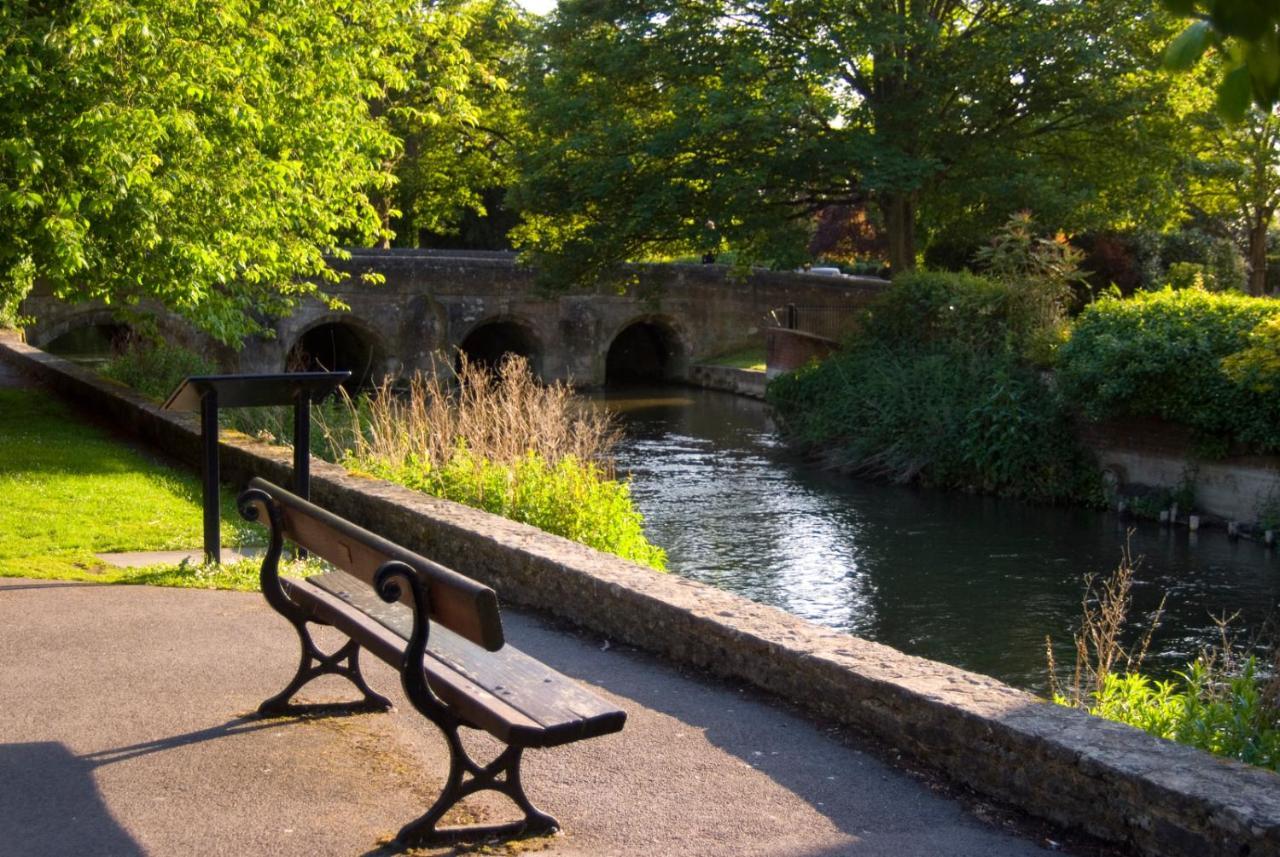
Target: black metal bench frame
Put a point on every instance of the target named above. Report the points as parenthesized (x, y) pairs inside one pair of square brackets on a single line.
[(392, 580)]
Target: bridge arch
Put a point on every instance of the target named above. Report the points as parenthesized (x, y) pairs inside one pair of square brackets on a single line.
[(645, 349), (339, 342), (489, 341), (90, 334)]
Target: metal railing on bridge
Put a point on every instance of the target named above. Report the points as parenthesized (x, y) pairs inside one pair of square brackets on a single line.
[(834, 321)]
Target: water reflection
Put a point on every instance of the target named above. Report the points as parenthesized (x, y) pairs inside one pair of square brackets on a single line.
[(973, 581)]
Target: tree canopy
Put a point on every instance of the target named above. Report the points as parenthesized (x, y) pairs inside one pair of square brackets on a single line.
[(205, 157), (458, 116), (687, 123)]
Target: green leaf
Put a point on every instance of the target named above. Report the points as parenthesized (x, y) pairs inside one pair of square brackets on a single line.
[(1186, 50), (1235, 94)]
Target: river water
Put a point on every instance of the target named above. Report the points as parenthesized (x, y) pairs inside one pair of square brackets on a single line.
[(976, 582)]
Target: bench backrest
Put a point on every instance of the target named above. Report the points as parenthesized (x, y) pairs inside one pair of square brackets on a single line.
[(462, 605)]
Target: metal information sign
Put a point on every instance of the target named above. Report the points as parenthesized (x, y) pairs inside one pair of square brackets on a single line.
[(207, 393)]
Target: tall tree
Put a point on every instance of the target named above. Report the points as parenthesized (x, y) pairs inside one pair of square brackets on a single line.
[(1234, 166), (458, 116), (208, 157), (661, 117)]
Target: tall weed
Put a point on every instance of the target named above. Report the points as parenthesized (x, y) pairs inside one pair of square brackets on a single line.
[(502, 442), (1221, 703)]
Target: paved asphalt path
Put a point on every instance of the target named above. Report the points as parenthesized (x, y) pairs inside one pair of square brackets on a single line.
[(125, 729)]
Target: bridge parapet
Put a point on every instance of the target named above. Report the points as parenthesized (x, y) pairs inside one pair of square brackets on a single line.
[(435, 302)]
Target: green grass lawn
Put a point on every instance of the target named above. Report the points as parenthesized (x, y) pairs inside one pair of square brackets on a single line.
[(748, 358), (68, 490)]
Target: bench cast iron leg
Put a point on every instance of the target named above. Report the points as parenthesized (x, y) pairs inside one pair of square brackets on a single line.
[(344, 662), (482, 778), (501, 775), (315, 663)]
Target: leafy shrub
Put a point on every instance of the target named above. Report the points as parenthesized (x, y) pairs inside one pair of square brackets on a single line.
[(1257, 366), (155, 368), (1219, 704), (954, 310), (934, 389), (1160, 354), (1228, 715)]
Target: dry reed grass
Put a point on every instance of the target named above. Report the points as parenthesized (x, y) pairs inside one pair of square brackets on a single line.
[(1099, 649), (499, 415)]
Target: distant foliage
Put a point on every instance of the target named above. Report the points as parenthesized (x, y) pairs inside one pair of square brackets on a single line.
[(1162, 354), (156, 368), (935, 390), (1042, 275)]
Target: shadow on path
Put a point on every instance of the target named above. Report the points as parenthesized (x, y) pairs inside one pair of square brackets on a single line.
[(50, 805)]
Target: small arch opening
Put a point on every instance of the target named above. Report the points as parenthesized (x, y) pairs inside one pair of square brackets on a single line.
[(643, 353), (337, 347), (91, 344), (489, 344)]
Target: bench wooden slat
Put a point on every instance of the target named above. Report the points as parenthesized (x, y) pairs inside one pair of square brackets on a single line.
[(473, 704), (564, 710), (457, 602)]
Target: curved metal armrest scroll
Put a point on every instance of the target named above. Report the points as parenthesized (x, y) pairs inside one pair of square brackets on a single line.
[(251, 503), (413, 676)]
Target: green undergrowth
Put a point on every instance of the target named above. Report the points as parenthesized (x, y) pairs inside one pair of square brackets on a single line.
[(938, 389), (155, 369), (69, 490), (1225, 702), (1227, 715)]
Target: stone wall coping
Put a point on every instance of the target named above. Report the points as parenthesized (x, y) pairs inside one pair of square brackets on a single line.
[(478, 260), (1110, 780)]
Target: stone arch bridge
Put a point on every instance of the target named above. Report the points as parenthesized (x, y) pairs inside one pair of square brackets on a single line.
[(439, 302)]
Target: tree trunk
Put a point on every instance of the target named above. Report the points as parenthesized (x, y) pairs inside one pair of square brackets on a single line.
[(1258, 252), (900, 214)]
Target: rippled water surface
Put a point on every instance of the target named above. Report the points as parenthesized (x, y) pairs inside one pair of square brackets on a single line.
[(971, 581)]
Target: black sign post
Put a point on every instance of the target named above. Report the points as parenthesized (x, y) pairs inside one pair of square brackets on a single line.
[(207, 393)]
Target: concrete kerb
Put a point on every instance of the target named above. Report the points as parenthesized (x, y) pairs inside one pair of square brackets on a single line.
[(1110, 780)]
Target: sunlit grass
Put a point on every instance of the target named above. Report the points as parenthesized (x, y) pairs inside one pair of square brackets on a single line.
[(751, 359), (69, 490)]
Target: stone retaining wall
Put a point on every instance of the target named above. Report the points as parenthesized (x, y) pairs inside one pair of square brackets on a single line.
[(1155, 453), (744, 382), (1104, 778)]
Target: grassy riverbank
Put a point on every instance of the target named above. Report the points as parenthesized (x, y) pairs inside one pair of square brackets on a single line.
[(69, 491)]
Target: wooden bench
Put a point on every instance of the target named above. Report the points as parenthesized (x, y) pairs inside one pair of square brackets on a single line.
[(443, 632)]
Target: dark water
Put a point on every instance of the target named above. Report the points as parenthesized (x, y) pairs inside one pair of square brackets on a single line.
[(972, 581)]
